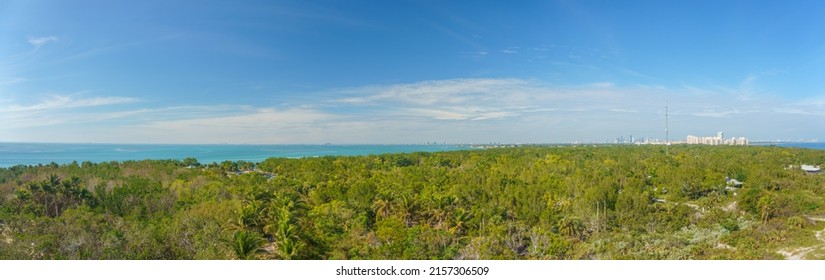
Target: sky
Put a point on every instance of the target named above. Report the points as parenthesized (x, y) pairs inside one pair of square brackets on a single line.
[(403, 72)]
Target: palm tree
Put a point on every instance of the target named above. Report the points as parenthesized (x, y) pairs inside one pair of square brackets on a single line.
[(288, 248), (246, 244), (284, 231), (765, 205), (572, 227), (410, 207), (381, 208), (459, 221)]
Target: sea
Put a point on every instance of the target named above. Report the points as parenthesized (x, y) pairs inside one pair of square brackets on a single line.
[(12, 154), (806, 145)]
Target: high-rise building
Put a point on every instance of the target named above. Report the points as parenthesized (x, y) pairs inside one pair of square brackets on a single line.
[(719, 139)]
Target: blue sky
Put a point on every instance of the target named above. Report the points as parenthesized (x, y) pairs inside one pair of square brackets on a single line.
[(408, 71)]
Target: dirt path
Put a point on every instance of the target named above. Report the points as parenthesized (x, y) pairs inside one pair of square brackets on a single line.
[(801, 253)]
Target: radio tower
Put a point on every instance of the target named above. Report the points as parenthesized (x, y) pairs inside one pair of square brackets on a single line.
[(667, 131)]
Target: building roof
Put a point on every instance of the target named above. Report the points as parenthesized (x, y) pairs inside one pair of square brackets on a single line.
[(810, 168), (734, 182)]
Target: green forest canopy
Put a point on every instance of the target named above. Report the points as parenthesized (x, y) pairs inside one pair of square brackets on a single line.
[(606, 202)]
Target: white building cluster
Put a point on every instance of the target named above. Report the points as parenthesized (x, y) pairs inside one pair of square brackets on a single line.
[(719, 139)]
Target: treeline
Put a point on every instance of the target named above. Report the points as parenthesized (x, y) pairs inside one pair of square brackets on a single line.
[(611, 202)]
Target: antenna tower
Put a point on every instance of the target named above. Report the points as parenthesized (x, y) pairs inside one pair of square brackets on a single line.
[(667, 130)]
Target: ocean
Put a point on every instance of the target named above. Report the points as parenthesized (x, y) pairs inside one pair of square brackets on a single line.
[(44, 153), (806, 145), (12, 154)]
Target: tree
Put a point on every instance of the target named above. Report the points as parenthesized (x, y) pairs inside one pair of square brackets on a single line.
[(56, 195), (246, 244), (190, 161), (572, 227), (766, 207)]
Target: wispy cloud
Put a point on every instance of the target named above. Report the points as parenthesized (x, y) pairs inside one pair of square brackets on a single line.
[(511, 50), (716, 113), (259, 119), (59, 110), (249, 125), (633, 73), (454, 110), (57, 102), (623, 111), (603, 107), (38, 42), (12, 81), (459, 113), (458, 36), (602, 84), (436, 92)]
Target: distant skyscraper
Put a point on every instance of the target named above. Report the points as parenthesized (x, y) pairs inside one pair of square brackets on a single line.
[(717, 140)]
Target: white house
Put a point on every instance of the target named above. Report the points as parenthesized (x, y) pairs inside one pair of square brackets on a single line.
[(810, 169)]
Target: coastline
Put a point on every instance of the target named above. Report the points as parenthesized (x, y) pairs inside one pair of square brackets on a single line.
[(12, 154)]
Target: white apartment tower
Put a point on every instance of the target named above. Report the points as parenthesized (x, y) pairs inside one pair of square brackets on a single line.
[(719, 139)]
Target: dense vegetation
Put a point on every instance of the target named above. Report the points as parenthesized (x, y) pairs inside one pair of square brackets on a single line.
[(611, 202)]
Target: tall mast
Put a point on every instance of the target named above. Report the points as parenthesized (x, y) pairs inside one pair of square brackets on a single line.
[(667, 130)]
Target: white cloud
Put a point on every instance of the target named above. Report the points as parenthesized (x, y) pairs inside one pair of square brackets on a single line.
[(456, 99), (454, 110), (258, 119), (623, 111), (58, 110), (57, 102), (598, 110), (716, 114), (263, 125), (457, 113), (38, 42), (438, 114), (800, 110), (454, 91), (180, 124), (602, 85), (12, 81), (510, 51)]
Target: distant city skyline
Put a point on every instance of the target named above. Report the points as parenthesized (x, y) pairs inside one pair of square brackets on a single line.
[(718, 139), (376, 72)]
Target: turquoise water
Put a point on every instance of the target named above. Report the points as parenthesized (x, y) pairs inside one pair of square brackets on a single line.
[(807, 145), (43, 153)]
